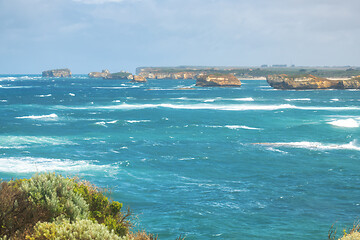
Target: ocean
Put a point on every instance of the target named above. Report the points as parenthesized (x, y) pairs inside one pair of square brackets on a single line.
[(209, 163)]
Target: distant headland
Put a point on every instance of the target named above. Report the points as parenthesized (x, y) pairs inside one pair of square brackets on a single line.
[(278, 76)]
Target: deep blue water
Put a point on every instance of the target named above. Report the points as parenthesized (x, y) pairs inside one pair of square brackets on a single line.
[(187, 161)]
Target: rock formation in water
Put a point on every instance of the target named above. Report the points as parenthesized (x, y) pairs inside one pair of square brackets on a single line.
[(102, 74), (57, 73), (119, 75), (308, 81), (217, 80), (138, 79)]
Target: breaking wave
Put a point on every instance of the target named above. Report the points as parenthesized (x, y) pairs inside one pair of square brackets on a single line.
[(347, 123), (52, 116), (31, 165), (315, 145)]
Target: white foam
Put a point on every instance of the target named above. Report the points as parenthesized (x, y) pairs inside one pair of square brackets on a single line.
[(335, 99), (241, 127), (72, 94), (229, 107), (347, 123), (47, 95), (248, 99), (112, 122), (31, 164), (316, 145), (101, 124), (3, 100), (52, 116), (219, 107), (117, 101), (23, 141), (234, 127), (137, 121), (297, 99), (7, 78)]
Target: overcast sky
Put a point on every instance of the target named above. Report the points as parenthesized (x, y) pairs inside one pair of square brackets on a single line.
[(91, 35)]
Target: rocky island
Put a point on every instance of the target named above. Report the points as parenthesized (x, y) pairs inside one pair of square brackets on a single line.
[(102, 74), (138, 79), (217, 80), (308, 81), (57, 73)]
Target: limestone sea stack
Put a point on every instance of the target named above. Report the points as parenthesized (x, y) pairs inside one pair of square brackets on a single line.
[(57, 73), (308, 81), (138, 79), (101, 74), (217, 80)]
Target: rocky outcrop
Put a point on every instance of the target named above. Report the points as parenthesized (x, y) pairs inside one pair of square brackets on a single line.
[(119, 75), (138, 79), (102, 74), (309, 81), (217, 80), (57, 73)]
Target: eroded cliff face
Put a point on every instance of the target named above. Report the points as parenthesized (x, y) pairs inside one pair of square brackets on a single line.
[(57, 73), (102, 74), (309, 81), (138, 79), (217, 80)]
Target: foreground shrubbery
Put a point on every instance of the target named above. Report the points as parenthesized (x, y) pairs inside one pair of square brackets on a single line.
[(49, 206)]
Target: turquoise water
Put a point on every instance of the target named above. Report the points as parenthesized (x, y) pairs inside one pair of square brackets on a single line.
[(187, 161)]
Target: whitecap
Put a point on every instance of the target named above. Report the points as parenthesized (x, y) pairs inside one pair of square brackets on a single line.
[(137, 121), (52, 116), (112, 122), (241, 127), (23, 141), (335, 99), (3, 100), (101, 124), (247, 99), (47, 95), (347, 123), (72, 94), (315, 145), (297, 99), (31, 165)]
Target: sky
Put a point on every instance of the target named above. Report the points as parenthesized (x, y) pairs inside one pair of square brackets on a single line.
[(91, 35)]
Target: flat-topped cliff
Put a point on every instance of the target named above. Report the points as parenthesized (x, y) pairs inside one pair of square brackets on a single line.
[(308, 81), (217, 80), (102, 74), (57, 73)]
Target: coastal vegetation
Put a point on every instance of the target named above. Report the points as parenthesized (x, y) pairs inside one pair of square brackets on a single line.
[(50, 206), (251, 72)]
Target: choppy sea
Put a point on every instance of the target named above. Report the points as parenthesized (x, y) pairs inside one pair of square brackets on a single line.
[(210, 163)]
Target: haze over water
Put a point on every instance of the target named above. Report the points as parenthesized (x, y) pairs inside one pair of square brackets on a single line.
[(210, 163)]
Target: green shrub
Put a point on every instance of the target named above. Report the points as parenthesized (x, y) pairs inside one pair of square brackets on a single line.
[(102, 210), (79, 230), (56, 194)]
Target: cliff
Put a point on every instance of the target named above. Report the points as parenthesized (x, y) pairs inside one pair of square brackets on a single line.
[(57, 73), (102, 74), (217, 80), (119, 75), (308, 81), (138, 79)]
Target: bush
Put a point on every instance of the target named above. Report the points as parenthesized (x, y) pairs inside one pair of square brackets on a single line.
[(79, 230), (102, 210), (56, 194), (17, 214)]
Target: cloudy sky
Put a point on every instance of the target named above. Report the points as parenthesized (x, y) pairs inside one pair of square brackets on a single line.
[(90, 35)]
